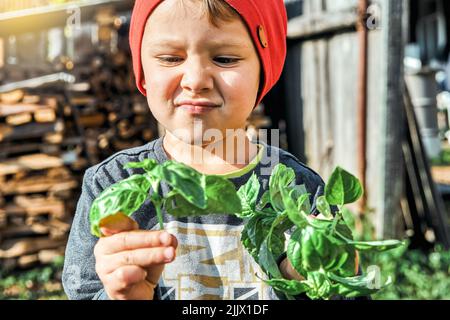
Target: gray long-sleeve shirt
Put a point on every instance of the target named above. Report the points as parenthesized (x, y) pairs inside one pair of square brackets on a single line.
[(210, 263)]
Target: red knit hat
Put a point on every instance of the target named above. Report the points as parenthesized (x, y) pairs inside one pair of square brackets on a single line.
[(265, 19)]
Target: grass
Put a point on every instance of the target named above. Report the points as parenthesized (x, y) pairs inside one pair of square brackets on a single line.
[(415, 274), (40, 283), (443, 159)]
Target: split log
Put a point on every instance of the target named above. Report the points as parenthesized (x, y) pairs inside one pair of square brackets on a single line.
[(54, 137), (28, 261), (45, 115), (2, 218), (5, 131), (47, 256), (12, 96), (19, 247), (29, 162), (16, 231), (32, 99), (11, 149), (19, 119), (52, 209), (29, 130), (13, 109), (93, 120), (83, 101)]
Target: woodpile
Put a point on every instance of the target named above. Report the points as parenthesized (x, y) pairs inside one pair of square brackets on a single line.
[(50, 134)]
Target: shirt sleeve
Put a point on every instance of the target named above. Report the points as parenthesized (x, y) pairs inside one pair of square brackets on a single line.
[(79, 278)]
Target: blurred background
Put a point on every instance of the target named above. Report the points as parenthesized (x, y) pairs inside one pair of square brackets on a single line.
[(366, 86)]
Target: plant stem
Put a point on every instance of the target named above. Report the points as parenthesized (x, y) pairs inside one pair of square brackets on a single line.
[(159, 215), (157, 202), (336, 220)]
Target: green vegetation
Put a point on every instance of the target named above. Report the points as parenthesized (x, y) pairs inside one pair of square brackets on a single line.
[(40, 283), (322, 251), (415, 274)]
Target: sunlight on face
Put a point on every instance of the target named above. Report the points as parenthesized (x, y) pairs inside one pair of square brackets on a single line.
[(185, 58)]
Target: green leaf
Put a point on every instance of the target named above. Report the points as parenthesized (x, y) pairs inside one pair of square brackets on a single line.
[(357, 286), (320, 284), (342, 188), (294, 252), (267, 261), (348, 217), (281, 178), (377, 245), (380, 245), (299, 218), (148, 165), (303, 203), (277, 239), (323, 207), (221, 198), (265, 200), (248, 194), (292, 287), (125, 196), (185, 180)]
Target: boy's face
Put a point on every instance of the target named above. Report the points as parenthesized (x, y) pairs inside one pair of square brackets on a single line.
[(186, 58)]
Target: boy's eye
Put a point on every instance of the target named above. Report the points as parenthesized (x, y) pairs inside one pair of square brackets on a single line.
[(226, 60), (220, 60), (168, 59)]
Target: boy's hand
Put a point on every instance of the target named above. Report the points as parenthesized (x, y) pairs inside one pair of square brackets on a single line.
[(288, 272), (129, 262)]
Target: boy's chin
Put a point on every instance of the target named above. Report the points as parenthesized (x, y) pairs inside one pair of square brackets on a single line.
[(201, 139)]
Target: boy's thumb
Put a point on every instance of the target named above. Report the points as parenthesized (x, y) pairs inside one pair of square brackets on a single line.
[(117, 223)]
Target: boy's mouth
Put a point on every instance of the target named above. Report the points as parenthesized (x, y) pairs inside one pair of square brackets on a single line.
[(197, 107)]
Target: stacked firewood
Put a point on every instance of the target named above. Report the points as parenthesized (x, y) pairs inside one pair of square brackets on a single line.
[(36, 183), (49, 135)]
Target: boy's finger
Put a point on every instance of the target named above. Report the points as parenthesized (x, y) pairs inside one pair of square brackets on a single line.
[(116, 223), (138, 239), (143, 258), (125, 277)]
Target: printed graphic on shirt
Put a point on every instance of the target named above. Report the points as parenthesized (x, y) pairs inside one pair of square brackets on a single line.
[(211, 264)]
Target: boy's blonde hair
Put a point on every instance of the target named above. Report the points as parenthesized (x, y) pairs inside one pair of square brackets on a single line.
[(216, 11)]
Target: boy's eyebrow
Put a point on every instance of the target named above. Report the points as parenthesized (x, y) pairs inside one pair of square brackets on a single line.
[(211, 44)]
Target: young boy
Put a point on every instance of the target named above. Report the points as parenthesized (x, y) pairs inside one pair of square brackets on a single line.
[(203, 66)]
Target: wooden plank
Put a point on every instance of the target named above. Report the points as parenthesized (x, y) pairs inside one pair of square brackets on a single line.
[(7, 109), (11, 97), (25, 230), (18, 247), (19, 119), (39, 185), (30, 162), (3, 218), (27, 261), (28, 131), (45, 115), (431, 198), (93, 120), (390, 74), (47, 256), (321, 24), (32, 99), (54, 209)]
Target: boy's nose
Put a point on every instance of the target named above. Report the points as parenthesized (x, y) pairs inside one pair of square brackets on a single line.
[(196, 77)]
